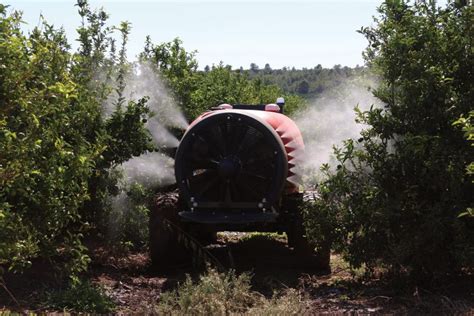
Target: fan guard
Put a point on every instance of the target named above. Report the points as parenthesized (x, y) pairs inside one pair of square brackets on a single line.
[(230, 160)]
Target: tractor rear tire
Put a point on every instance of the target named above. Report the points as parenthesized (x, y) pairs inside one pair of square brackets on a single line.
[(165, 249), (298, 240), (305, 250)]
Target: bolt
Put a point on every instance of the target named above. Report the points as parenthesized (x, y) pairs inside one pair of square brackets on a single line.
[(195, 204), (260, 205)]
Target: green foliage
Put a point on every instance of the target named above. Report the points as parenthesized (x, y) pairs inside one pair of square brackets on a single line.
[(122, 135), (127, 134), (214, 294), (197, 91), (226, 293), (57, 150), (82, 297), (291, 302), (45, 161), (262, 237), (468, 129), (223, 85), (307, 82), (128, 222), (397, 192), (177, 66)]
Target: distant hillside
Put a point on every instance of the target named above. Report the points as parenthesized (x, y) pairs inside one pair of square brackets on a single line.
[(306, 82)]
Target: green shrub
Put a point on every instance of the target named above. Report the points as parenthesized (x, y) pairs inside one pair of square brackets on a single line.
[(226, 293), (128, 222), (213, 294), (466, 123), (397, 192), (57, 149), (46, 159), (82, 297), (291, 302), (198, 91)]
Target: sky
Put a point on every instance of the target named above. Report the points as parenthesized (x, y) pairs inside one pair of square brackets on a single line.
[(283, 33)]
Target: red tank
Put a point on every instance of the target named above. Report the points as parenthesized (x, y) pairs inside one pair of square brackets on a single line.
[(286, 129)]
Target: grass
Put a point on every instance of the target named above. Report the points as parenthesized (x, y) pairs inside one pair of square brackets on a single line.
[(216, 293), (262, 236), (82, 297), (251, 236)]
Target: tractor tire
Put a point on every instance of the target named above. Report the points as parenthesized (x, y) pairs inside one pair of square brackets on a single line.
[(164, 247), (298, 240), (295, 230), (305, 250), (322, 259)]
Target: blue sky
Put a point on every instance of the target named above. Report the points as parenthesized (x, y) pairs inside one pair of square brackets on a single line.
[(281, 33)]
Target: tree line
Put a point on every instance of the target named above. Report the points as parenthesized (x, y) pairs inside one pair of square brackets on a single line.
[(308, 83)]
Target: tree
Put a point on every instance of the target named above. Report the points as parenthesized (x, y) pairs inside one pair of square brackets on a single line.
[(397, 193), (56, 146), (254, 67), (177, 66), (267, 69), (303, 87)]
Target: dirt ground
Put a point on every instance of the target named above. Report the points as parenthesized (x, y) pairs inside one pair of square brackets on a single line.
[(135, 289)]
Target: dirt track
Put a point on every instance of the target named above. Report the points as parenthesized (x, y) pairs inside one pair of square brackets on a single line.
[(275, 267), (134, 288)]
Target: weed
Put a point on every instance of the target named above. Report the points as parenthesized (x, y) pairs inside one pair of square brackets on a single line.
[(81, 297), (226, 293), (290, 302), (264, 236)]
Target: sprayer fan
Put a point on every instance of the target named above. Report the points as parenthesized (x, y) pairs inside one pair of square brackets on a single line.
[(230, 160)]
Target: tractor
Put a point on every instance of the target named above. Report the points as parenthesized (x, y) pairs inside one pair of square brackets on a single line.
[(235, 171)]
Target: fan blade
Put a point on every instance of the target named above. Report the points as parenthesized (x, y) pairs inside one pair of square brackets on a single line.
[(252, 188), (209, 144), (219, 139), (215, 141), (246, 150), (224, 130), (201, 178), (235, 191), (246, 193), (227, 197), (254, 175), (253, 163), (207, 186), (203, 164), (237, 138)]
